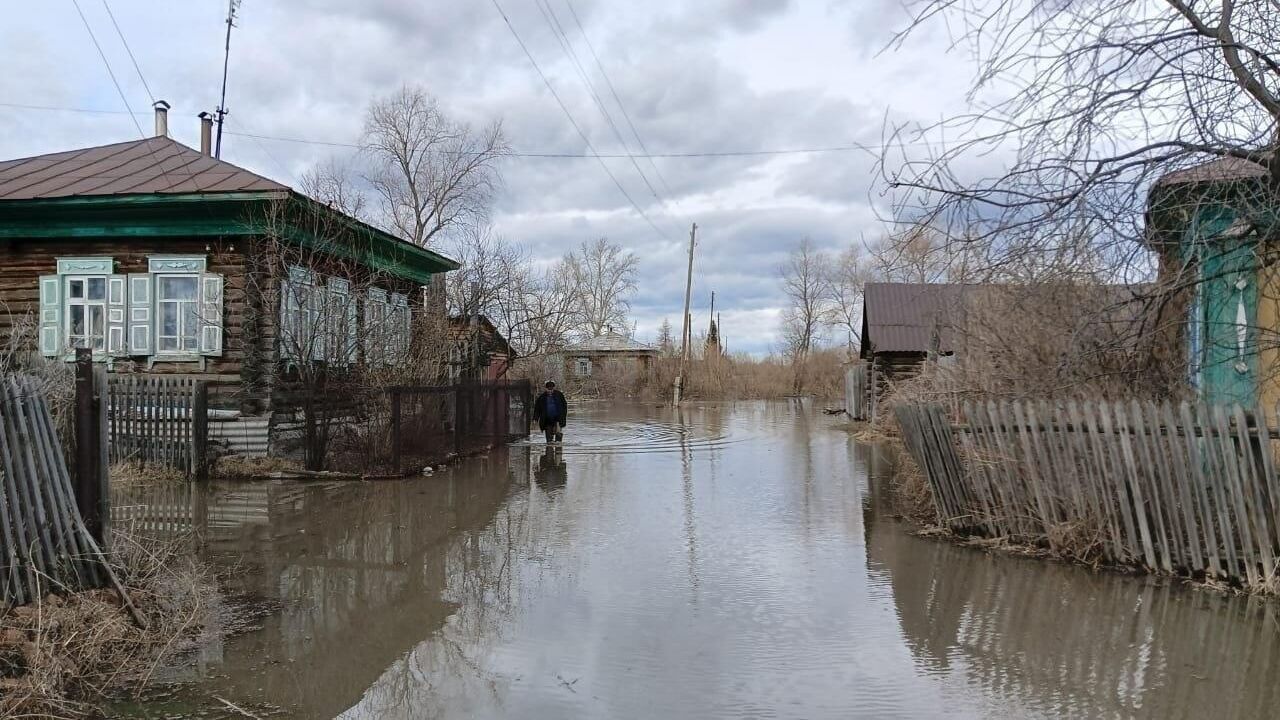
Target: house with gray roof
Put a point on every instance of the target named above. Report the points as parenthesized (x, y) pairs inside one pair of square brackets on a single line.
[(612, 357)]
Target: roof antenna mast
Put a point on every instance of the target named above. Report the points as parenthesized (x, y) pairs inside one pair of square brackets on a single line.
[(232, 7)]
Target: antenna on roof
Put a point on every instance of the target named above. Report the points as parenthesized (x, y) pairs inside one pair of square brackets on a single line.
[(232, 7)]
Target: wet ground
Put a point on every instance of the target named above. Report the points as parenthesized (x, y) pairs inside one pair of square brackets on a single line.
[(731, 561)]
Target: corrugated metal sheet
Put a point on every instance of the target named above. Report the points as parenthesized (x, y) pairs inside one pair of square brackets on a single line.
[(1227, 168), (153, 165), (610, 342), (903, 317)]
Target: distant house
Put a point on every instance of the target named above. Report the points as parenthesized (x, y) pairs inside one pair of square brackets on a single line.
[(903, 323), (477, 351), (1012, 328), (612, 356), (162, 259), (1214, 227)]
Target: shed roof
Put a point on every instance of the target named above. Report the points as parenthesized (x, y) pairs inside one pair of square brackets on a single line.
[(903, 317), (611, 342), (1225, 168), (155, 165)]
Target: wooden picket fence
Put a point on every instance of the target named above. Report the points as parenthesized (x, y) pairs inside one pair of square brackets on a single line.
[(158, 419), (1176, 489), (45, 546)]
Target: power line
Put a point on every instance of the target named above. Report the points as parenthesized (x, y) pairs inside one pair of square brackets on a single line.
[(857, 147), (128, 50), (573, 122), (557, 30), (110, 72), (186, 167), (617, 99), (853, 147)]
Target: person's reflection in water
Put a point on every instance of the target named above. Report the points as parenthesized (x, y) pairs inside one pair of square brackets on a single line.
[(551, 474)]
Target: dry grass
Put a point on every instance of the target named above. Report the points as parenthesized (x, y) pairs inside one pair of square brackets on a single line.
[(133, 473), (65, 655), (243, 467)]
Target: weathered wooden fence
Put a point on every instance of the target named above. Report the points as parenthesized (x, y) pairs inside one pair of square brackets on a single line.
[(158, 419), (858, 395), (427, 424), (46, 546), (1186, 489)]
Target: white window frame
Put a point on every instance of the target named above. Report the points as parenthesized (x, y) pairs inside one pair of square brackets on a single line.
[(87, 303), (582, 367), (160, 302), (175, 266)]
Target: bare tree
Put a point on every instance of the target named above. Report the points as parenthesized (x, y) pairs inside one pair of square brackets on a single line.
[(806, 285), (432, 173), (666, 345), (1085, 105), (534, 309), (847, 276), (602, 278), (333, 184)]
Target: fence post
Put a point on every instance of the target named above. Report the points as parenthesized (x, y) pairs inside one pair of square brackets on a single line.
[(88, 482), (527, 416), (457, 419), (102, 405), (396, 446), (200, 430)]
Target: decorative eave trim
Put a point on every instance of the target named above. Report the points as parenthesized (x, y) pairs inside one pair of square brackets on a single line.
[(212, 215)]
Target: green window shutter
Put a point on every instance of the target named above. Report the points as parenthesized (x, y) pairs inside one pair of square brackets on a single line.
[(50, 315), (117, 307), (140, 325), (211, 293)]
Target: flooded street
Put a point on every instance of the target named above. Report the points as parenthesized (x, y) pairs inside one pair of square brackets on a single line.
[(731, 561)]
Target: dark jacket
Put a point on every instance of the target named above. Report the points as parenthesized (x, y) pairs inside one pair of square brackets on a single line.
[(540, 409)]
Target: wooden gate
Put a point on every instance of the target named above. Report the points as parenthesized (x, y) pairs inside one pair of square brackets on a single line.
[(158, 419)]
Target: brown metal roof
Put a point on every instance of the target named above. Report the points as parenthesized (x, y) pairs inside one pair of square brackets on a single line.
[(903, 317), (1227, 168), (153, 165)]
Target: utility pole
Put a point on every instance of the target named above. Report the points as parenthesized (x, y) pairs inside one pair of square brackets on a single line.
[(684, 336), (232, 6)]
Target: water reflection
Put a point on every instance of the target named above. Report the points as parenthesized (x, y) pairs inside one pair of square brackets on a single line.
[(552, 473), (1059, 641), (727, 560)]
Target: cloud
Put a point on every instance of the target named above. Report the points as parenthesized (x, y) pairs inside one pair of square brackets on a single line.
[(703, 78)]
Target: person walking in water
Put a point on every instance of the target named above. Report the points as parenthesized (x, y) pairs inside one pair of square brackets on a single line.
[(551, 411)]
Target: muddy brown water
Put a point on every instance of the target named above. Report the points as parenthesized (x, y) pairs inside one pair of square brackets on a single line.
[(729, 561)]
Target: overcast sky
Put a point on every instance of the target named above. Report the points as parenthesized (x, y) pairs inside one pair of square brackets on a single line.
[(695, 77)]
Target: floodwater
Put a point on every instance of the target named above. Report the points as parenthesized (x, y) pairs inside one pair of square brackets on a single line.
[(731, 561)]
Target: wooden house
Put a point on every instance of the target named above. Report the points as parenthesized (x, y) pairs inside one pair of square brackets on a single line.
[(1214, 227), (611, 357), (165, 260), (477, 350)]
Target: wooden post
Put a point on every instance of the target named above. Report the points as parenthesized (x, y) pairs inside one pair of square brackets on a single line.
[(200, 430), (684, 335), (102, 400), (88, 485), (457, 419), (396, 447)]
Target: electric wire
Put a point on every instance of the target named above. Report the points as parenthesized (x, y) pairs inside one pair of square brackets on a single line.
[(872, 150), (573, 122), (553, 22)]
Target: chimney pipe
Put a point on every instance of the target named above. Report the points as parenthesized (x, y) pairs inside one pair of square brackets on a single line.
[(206, 134), (162, 118)]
